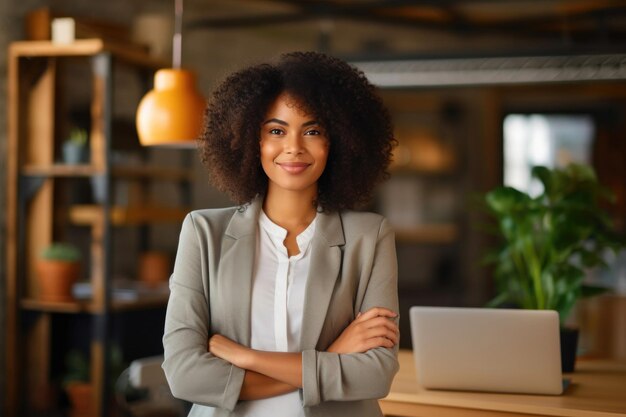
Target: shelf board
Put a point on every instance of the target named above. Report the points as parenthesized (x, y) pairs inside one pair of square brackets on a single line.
[(61, 170), (142, 302), (55, 307), (126, 216), (86, 170), (428, 234), (153, 172), (132, 54)]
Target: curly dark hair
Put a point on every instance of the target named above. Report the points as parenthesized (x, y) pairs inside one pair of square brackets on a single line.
[(340, 97)]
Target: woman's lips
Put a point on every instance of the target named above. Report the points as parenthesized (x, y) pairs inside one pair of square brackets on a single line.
[(293, 167)]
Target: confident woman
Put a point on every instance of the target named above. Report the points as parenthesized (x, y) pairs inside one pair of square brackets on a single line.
[(287, 304)]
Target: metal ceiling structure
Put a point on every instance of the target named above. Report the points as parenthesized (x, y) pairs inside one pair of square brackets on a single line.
[(493, 71), (576, 40), (600, 20)]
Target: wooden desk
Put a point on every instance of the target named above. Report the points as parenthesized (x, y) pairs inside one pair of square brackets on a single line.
[(597, 389)]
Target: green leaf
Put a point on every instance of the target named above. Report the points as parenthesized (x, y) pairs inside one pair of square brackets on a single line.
[(581, 172), (61, 252), (504, 200), (544, 175)]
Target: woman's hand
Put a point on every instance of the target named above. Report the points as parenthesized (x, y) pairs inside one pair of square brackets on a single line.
[(369, 330), (230, 351)]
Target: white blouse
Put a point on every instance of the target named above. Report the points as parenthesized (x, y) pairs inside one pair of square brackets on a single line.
[(277, 305)]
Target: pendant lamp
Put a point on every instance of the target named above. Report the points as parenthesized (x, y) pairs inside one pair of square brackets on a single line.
[(171, 114)]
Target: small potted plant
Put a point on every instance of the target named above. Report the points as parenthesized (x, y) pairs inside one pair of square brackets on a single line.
[(548, 242), (154, 268), (77, 382), (58, 268), (75, 147)]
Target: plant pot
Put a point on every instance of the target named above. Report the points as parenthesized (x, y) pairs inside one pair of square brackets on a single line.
[(81, 398), (74, 154), (154, 268), (569, 345), (56, 279)]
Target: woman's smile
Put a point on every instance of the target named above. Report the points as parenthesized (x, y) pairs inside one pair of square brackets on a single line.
[(293, 167)]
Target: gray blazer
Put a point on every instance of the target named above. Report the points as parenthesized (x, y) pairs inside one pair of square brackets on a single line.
[(353, 268)]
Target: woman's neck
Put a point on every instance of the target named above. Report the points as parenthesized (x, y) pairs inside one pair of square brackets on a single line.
[(293, 211)]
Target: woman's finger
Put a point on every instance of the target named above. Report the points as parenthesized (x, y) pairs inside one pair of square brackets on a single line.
[(382, 332), (375, 312), (376, 342), (379, 321), (382, 322)]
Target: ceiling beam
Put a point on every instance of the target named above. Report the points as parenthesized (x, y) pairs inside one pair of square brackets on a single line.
[(379, 12)]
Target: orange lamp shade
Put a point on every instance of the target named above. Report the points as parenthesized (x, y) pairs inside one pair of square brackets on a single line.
[(171, 113)]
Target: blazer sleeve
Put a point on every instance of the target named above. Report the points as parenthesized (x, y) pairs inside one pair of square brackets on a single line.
[(330, 376), (194, 374)]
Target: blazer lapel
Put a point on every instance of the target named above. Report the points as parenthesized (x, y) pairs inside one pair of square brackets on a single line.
[(323, 272), (236, 268)]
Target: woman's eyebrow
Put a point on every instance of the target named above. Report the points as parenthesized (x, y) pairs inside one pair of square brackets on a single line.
[(280, 122)]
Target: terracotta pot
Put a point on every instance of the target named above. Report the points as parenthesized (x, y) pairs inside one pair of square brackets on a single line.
[(81, 398), (154, 268), (56, 279)]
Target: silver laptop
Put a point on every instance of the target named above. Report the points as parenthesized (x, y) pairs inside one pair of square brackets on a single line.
[(481, 349)]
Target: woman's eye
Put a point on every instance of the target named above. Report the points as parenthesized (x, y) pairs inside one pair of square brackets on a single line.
[(312, 132), (275, 131)]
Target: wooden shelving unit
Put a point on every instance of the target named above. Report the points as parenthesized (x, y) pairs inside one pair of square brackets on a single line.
[(142, 302), (429, 234), (60, 170), (125, 216), (33, 176), (129, 54)]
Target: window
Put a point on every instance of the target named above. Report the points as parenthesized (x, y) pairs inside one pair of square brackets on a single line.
[(553, 141)]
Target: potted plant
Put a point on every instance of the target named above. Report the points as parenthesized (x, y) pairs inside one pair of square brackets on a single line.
[(77, 382), (548, 242), (75, 147), (154, 268), (58, 268)]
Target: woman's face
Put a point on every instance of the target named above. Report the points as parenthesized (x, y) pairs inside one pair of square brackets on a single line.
[(294, 147)]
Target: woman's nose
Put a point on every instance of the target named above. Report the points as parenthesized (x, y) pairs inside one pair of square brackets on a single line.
[(293, 144)]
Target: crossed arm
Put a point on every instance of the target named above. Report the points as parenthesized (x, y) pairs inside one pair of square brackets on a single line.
[(270, 374)]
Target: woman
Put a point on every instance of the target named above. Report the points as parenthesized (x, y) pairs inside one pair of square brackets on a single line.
[(287, 305)]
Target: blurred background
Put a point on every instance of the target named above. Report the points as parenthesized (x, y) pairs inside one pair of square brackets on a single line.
[(479, 91)]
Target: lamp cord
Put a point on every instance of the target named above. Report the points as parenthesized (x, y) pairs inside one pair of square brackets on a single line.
[(178, 34)]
